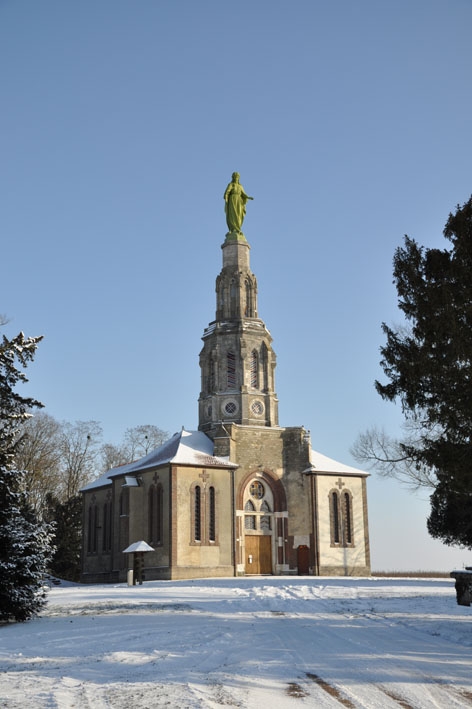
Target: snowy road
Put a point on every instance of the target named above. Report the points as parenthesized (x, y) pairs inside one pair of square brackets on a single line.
[(252, 642)]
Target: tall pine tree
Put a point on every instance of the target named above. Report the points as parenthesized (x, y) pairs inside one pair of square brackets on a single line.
[(25, 540), (429, 365)]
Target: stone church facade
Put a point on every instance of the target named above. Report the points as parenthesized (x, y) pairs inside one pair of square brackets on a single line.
[(242, 495)]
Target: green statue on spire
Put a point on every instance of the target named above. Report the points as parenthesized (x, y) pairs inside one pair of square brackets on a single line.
[(235, 204)]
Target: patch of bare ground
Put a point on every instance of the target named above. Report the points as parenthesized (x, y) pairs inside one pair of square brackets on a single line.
[(295, 690), (332, 691), (466, 695)]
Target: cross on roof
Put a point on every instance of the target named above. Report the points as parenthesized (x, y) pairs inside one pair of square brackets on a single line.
[(340, 484)]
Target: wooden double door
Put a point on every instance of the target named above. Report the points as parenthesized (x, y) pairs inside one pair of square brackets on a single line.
[(258, 554)]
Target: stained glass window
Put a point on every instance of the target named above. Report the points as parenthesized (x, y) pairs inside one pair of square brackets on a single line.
[(257, 490)]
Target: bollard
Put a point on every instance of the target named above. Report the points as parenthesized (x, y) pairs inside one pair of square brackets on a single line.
[(463, 586), (130, 578)]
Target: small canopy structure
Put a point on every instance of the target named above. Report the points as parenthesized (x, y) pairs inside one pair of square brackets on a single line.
[(138, 549), (137, 546)]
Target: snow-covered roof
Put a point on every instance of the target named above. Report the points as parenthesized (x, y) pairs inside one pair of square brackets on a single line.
[(195, 448), (322, 464), (102, 481), (184, 448), (137, 546)]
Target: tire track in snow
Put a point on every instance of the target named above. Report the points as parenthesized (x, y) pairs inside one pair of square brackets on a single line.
[(361, 687), (449, 697)]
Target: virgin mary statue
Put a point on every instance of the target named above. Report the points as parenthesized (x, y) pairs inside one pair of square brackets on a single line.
[(235, 204)]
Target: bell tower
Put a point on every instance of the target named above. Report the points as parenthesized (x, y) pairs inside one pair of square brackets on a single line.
[(237, 360)]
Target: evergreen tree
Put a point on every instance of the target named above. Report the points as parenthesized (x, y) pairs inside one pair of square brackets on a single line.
[(25, 548), (429, 365), (67, 518), (25, 540)]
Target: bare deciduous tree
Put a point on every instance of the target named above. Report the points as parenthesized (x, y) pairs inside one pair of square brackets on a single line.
[(79, 448), (137, 442), (140, 440), (391, 458), (112, 456), (38, 453)]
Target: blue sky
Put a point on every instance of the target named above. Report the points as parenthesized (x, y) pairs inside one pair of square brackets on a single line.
[(121, 124)]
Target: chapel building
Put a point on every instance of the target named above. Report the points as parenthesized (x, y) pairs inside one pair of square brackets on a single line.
[(242, 495)]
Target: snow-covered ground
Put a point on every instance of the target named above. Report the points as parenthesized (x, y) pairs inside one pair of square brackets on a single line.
[(251, 642)]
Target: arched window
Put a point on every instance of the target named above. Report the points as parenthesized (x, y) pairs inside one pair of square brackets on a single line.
[(335, 521), (265, 523), (249, 312), (249, 519), (92, 529), (212, 516), (151, 513), (233, 298), (266, 518), (198, 514), (347, 519), (258, 507), (203, 512), (265, 367), (231, 370), (155, 514), (211, 376), (220, 297), (341, 518), (254, 369), (159, 505), (107, 522), (124, 502)]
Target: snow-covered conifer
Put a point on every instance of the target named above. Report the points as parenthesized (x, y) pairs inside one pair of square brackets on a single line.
[(25, 540)]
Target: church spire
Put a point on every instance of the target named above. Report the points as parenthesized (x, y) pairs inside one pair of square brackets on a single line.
[(237, 360)]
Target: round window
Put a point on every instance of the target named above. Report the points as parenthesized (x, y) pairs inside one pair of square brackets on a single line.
[(230, 407), (257, 490), (257, 408)]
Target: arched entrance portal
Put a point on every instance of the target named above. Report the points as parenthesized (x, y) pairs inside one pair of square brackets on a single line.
[(261, 525)]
